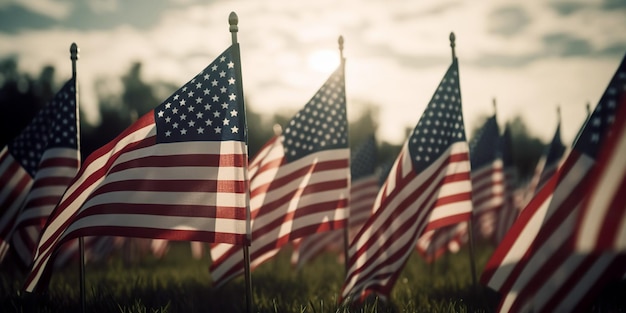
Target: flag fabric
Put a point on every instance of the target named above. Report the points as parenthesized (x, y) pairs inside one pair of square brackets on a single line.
[(602, 219), (535, 268), (487, 178), (177, 173), (510, 209), (547, 164), (299, 182), (363, 190), (35, 169), (428, 187), (435, 243)]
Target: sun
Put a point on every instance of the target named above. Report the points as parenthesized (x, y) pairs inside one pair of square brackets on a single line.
[(323, 60)]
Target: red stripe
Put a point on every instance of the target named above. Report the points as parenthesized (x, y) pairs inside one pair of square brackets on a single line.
[(182, 160), (174, 210), (174, 185), (58, 161)]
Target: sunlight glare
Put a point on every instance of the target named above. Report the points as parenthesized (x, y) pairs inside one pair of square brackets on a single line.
[(323, 61)]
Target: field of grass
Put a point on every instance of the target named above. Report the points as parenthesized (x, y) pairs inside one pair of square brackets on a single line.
[(179, 283)]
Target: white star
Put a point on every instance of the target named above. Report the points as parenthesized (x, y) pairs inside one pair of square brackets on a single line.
[(183, 102), (216, 114), (231, 81), (232, 97), (216, 98), (200, 130), (191, 108), (223, 89), (168, 105), (234, 129), (190, 94), (206, 91), (160, 113), (168, 133), (233, 113), (226, 121), (191, 123), (198, 85), (222, 59), (231, 64), (214, 68), (222, 74), (175, 110), (206, 76), (224, 105), (198, 100), (207, 107), (167, 119), (199, 115), (214, 83), (218, 130), (183, 117), (175, 125), (208, 122), (176, 97), (183, 131)]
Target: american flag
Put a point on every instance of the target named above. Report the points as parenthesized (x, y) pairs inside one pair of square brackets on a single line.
[(602, 219), (510, 207), (534, 268), (550, 161), (35, 169), (177, 173), (298, 182), (363, 190), (487, 177), (428, 187)]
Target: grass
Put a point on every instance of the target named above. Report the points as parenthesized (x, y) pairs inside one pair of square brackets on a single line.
[(179, 283)]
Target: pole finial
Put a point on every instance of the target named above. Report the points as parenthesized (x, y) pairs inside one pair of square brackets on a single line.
[(495, 107), (453, 44), (558, 113), (233, 20), (340, 42), (74, 51), (588, 108)]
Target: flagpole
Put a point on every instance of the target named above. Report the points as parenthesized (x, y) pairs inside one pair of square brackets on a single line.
[(233, 20), (345, 228), (81, 242), (470, 226)]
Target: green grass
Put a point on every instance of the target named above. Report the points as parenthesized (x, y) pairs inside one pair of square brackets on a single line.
[(178, 283)]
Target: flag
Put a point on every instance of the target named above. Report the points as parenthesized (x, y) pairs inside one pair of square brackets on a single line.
[(177, 173), (509, 211), (602, 219), (534, 267), (548, 163), (428, 187), (35, 169), (363, 190), (298, 182), (487, 177), (436, 242)]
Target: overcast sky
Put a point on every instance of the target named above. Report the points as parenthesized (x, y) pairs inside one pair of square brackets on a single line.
[(530, 55)]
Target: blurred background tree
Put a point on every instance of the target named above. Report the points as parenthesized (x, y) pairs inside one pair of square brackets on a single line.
[(21, 96)]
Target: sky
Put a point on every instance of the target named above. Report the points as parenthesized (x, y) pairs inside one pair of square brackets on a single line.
[(530, 56)]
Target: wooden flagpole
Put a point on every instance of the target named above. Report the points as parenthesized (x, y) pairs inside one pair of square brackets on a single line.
[(346, 236), (81, 241), (470, 226), (233, 20)]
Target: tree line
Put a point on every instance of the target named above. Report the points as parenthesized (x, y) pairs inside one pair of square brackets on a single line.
[(22, 95)]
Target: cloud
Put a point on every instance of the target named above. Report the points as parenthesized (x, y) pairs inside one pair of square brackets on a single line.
[(508, 20), (55, 9)]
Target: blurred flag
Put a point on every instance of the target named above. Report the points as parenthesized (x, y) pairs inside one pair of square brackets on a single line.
[(534, 268), (487, 177), (602, 219), (298, 182), (548, 163), (510, 209), (177, 173), (428, 187), (35, 169), (434, 243), (363, 190)]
